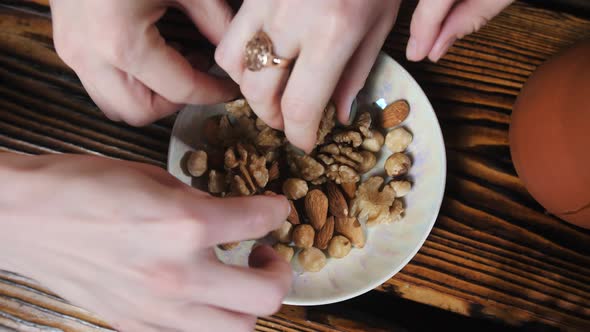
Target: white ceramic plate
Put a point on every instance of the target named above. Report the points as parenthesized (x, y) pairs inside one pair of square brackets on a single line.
[(389, 247)]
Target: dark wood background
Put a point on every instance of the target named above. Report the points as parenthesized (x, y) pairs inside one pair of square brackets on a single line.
[(494, 254)]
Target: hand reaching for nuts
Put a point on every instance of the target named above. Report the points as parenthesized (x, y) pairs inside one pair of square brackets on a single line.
[(142, 258)]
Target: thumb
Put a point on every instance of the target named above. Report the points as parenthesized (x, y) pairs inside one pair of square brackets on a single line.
[(464, 19), (224, 220)]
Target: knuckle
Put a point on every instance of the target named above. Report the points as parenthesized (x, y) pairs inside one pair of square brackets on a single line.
[(119, 47), (478, 22)]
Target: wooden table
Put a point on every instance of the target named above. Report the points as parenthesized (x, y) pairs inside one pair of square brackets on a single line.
[(493, 252)]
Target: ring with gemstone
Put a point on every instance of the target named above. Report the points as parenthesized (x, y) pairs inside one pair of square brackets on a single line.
[(259, 54)]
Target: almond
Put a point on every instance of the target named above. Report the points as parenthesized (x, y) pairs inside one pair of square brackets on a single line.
[(351, 228), (273, 171), (316, 207), (349, 189), (336, 201), (323, 237), (395, 113), (293, 216)]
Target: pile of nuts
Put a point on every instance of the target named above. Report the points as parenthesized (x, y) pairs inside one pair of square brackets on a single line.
[(329, 201)]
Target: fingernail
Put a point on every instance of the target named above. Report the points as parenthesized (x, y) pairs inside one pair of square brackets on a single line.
[(352, 111), (261, 256), (440, 49), (412, 49)]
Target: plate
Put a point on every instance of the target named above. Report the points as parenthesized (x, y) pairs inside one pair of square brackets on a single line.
[(389, 247)]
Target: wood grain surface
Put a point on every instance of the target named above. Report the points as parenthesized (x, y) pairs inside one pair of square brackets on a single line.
[(494, 253)]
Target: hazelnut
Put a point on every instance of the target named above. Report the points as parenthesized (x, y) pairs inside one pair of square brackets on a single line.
[(397, 164), (295, 188), (283, 233), (374, 143), (303, 236), (196, 163), (284, 251), (312, 259), (216, 182), (369, 161), (398, 140), (401, 188), (339, 246)]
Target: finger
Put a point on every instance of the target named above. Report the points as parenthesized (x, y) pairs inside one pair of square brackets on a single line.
[(212, 18), (230, 51), (304, 100), (239, 218), (359, 66), (425, 26), (258, 290), (122, 97), (168, 73), (465, 18), (263, 89)]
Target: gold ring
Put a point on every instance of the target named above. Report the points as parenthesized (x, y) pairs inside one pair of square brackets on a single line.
[(259, 54)]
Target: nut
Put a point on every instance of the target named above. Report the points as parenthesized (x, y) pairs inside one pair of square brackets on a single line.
[(258, 170), (284, 251), (396, 210), (316, 208), (269, 193), (337, 203), (312, 259), (245, 128), (260, 124), (397, 164), (239, 187), (295, 188), (375, 142), (349, 189), (216, 182), (293, 216), (273, 171), (247, 178), (283, 233), (327, 123), (342, 174), (307, 167), (215, 158), (229, 246), (324, 158), (230, 160), (349, 137), (369, 161), (238, 108), (395, 113), (401, 188), (332, 149), (269, 138), (325, 234), (303, 236), (351, 154), (319, 181), (196, 164), (398, 140), (371, 203), (339, 246), (351, 228), (363, 124)]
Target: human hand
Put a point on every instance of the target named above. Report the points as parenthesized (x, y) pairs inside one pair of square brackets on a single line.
[(133, 244), (335, 44), (436, 24), (124, 63)]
